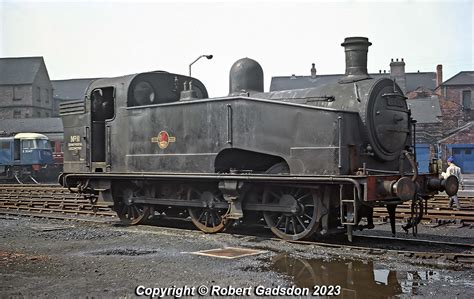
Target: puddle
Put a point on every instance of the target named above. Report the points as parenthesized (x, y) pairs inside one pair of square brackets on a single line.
[(357, 278), (124, 251)]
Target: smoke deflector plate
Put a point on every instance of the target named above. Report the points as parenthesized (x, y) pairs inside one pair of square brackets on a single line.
[(229, 252)]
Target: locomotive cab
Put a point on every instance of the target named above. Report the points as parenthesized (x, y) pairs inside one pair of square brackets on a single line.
[(94, 128)]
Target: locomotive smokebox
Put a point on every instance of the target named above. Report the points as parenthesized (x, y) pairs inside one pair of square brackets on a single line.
[(245, 76), (356, 49)]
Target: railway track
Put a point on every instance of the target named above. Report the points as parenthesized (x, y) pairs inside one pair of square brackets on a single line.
[(459, 253), (48, 201), (55, 202), (438, 211)]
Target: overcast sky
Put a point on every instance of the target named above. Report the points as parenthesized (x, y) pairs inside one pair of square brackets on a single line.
[(80, 39)]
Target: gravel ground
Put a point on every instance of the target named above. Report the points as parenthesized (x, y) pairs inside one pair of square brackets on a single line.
[(46, 258)]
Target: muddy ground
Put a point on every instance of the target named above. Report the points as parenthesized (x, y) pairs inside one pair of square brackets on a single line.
[(46, 258)]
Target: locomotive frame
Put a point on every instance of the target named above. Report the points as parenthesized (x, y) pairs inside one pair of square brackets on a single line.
[(309, 160)]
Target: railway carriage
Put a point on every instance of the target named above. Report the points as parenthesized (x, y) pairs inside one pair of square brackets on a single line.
[(25, 155), (306, 161)]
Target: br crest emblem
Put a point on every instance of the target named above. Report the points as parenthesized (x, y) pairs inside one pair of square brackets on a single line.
[(163, 139)]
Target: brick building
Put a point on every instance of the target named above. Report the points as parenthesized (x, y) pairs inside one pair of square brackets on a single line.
[(457, 99), (457, 103), (25, 88)]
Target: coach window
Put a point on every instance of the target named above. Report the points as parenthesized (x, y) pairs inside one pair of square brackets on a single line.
[(43, 144), (28, 144), (5, 151)]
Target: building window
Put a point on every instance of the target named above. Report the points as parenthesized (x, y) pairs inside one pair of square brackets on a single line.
[(16, 114), (38, 114), (46, 114), (47, 96), (15, 97), (466, 99), (38, 94)]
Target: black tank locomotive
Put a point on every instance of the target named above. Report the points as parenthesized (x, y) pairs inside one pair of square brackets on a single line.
[(306, 161)]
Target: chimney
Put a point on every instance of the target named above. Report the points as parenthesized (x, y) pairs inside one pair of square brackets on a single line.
[(439, 75), (356, 49), (397, 72), (313, 72)]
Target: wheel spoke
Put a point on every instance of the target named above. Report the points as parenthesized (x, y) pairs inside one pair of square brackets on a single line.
[(277, 225), (293, 224), (206, 219), (209, 220), (218, 218), (301, 222), (137, 211), (200, 216), (131, 213), (302, 197), (212, 218), (297, 192)]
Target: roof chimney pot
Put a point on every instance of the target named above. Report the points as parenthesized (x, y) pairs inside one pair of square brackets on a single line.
[(439, 74), (313, 71)]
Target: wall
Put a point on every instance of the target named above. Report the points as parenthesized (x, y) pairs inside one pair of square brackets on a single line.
[(451, 106), (21, 92), (42, 94)]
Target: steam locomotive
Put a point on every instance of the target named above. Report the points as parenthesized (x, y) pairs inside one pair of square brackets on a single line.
[(306, 161)]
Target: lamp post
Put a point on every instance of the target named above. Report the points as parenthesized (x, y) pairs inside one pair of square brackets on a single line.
[(207, 56)]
